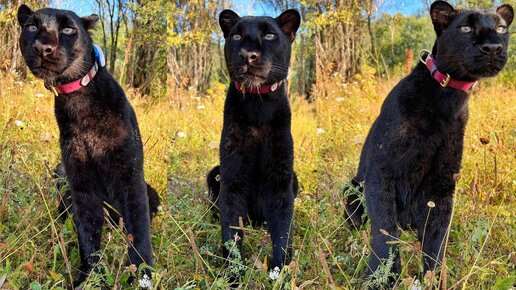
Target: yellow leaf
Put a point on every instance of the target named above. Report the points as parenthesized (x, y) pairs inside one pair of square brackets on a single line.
[(55, 276)]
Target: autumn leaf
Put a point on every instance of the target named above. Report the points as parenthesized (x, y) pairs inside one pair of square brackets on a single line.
[(29, 267)]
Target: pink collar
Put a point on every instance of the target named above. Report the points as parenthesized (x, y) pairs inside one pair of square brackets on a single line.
[(444, 79), (75, 85), (264, 89)]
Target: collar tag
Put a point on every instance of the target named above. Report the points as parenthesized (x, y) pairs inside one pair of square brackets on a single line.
[(53, 90), (85, 80), (99, 55)]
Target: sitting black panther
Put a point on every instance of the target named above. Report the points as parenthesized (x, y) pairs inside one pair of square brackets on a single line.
[(412, 156), (101, 147), (257, 180)]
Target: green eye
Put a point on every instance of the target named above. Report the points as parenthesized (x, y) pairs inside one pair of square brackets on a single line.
[(501, 29), (68, 30), (236, 37), (466, 29), (270, 36), (32, 28)]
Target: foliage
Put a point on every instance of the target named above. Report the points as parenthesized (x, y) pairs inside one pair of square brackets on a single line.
[(146, 55), (395, 33), (180, 143), (194, 39)]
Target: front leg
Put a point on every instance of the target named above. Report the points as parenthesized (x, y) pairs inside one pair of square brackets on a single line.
[(88, 219), (434, 219), (382, 211), (235, 188), (88, 216), (136, 217), (279, 197), (432, 230), (280, 211), (233, 207)]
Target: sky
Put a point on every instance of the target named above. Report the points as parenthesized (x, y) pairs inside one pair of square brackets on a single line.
[(245, 7)]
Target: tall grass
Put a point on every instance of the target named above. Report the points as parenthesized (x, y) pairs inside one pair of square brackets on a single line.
[(181, 135)]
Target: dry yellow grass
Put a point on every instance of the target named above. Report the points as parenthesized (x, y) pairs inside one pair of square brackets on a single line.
[(181, 135)]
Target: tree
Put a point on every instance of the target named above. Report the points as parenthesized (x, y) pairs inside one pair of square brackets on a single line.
[(145, 54), (10, 56), (111, 13), (193, 38)]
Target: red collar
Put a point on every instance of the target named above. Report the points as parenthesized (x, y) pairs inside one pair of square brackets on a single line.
[(444, 79), (75, 85), (264, 89)]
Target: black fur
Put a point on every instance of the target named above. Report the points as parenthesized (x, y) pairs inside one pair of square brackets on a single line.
[(413, 152), (100, 141), (257, 181), (65, 201), (213, 181)]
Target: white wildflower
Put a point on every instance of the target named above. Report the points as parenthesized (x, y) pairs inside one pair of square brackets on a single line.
[(416, 285), (320, 131), (180, 134), (39, 95), (213, 145), (201, 107), (274, 274), (19, 123), (145, 282), (339, 100)]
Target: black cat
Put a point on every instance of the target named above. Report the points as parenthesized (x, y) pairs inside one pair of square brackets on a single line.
[(257, 180), (100, 141), (412, 156)]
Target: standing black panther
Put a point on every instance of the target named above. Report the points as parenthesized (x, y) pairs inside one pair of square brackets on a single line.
[(100, 141), (256, 149), (412, 156)]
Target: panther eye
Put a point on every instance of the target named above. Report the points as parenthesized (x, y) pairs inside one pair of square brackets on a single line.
[(236, 37), (501, 29), (466, 29), (270, 36), (32, 28), (68, 30)]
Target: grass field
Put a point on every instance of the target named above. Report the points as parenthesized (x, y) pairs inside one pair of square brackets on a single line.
[(38, 251)]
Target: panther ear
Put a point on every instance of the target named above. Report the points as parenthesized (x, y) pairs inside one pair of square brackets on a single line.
[(442, 14), (89, 22), (24, 12), (227, 19), (506, 12), (289, 22)]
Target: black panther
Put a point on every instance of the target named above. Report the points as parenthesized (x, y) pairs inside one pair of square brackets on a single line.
[(255, 180), (101, 146), (412, 156)]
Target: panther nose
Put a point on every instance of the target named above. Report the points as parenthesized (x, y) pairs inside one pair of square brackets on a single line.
[(43, 49), (250, 57), (491, 48)]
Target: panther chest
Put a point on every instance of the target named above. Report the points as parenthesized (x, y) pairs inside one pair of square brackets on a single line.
[(90, 132), (245, 138)]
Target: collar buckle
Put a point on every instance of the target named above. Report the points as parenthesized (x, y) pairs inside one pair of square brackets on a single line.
[(445, 82)]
